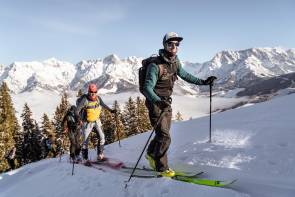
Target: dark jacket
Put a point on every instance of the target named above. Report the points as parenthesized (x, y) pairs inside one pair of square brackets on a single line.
[(155, 87)]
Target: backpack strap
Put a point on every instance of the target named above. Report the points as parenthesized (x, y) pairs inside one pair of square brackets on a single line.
[(161, 70)]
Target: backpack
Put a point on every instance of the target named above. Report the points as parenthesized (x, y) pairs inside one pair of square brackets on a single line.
[(80, 99), (143, 69), (71, 121)]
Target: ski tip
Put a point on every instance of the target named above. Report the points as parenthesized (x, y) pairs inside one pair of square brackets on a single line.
[(227, 183)]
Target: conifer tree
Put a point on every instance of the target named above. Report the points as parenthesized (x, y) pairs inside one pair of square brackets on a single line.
[(48, 137), (31, 144), (59, 114), (19, 144), (143, 121), (108, 126), (8, 125), (93, 140), (120, 130), (36, 143), (130, 117)]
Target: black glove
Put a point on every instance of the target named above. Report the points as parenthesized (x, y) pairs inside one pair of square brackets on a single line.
[(210, 80), (163, 104), (113, 111)]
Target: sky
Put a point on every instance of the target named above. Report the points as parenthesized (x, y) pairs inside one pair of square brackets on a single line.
[(74, 30)]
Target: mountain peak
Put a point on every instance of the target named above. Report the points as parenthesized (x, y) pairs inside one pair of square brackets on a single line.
[(54, 62), (111, 59), (115, 74), (52, 59)]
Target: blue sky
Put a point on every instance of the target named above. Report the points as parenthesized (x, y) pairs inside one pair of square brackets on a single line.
[(73, 30)]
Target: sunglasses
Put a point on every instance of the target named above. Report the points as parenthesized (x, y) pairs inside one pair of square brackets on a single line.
[(171, 44), (92, 92)]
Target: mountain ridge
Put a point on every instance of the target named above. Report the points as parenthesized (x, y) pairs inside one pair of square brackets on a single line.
[(234, 69)]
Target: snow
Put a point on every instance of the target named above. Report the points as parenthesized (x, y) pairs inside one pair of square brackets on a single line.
[(229, 66), (257, 61), (253, 144), (44, 101), (50, 74)]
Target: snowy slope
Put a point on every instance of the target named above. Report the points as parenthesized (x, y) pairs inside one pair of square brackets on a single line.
[(254, 144)]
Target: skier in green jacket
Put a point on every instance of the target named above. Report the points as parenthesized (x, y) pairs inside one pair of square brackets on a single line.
[(158, 88)]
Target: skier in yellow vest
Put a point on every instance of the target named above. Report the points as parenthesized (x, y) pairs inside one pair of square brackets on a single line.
[(88, 108)]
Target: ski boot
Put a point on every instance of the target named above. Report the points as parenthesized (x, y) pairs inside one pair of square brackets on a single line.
[(78, 159), (85, 157), (101, 157), (87, 163), (168, 173)]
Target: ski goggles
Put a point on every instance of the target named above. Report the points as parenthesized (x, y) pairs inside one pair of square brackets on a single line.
[(172, 44)]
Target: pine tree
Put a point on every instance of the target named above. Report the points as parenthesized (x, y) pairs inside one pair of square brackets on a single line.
[(8, 125), (31, 147), (120, 130), (36, 142), (143, 120), (108, 126), (59, 114), (130, 118), (178, 117), (48, 136), (19, 144), (93, 140)]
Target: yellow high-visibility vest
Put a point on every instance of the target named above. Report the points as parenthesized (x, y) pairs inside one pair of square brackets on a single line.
[(93, 110)]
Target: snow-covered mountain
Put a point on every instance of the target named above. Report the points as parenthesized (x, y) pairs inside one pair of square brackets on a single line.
[(113, 75), (245, 67), (50, 74)]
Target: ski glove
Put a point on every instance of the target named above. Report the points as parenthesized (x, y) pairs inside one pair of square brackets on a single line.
[(163, 104), (210, 80)]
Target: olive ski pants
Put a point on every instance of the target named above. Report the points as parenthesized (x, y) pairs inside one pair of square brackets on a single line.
[(159, 145)]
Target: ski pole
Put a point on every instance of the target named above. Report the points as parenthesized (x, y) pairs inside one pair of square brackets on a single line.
[(210, 112), (154, 127), (61, 148), (73, 167)]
